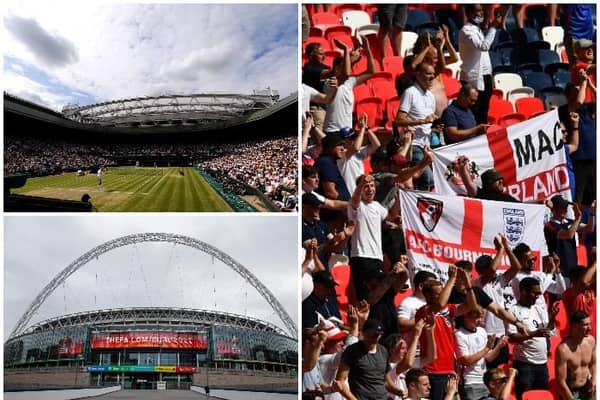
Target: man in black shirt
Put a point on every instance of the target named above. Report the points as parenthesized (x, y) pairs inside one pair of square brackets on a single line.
[(365, 365)]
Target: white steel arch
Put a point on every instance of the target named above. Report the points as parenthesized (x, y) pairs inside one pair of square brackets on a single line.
[(154, 237)]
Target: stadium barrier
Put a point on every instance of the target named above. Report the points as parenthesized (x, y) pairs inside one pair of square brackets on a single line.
[(232, 199)]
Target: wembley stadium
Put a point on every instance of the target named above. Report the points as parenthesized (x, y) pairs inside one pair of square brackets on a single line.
[(138, 347)]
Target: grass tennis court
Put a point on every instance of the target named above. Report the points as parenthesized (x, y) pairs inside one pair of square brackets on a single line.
[(132, 189)]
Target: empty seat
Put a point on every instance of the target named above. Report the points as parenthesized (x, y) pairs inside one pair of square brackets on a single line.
[(520, 93), (383, 89), (529, 106), (550, 69), (455, 67), (340, 9), (507, 82), (355, 19), (538, 395), (408, 42), (511, 119), (537, 81), (324, 20), (373, 107), (393, 64), (500, 107), (392, 105), (370, 29), (361, 66), (554, 101), (561, 77), (554, 35), (361, 92), (547, 57), (451, 87), (524, 36)]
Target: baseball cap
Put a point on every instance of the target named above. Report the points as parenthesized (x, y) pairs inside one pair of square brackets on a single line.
[(583, 44), (324, 278), (309, 199), (334, 333), (491, 175), (373, 325), (346, 132)]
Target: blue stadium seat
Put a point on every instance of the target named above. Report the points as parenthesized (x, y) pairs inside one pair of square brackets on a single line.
[(520, 56), (547, 57), (524, 69), (524, 36), (537, 81), (561, 77), (550, 69)]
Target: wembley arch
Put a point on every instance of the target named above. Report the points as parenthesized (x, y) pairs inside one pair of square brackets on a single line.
[(155, 237)]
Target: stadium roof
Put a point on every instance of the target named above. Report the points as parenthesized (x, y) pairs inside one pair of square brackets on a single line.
[(127, 318), (206, 109), (162, 114)]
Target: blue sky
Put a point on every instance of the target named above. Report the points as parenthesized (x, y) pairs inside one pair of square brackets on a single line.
[(61, 53)]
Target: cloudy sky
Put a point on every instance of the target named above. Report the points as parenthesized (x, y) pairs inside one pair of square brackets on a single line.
[(57, 53), (37, 248)]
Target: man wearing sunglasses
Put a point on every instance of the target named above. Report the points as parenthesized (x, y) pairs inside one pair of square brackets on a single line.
[(498, 383)]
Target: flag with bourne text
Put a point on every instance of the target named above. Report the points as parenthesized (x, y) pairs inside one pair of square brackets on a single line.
[(529, 155), (440, 230)]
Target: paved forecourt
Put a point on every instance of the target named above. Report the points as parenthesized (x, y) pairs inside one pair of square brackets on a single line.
[(153, 395)]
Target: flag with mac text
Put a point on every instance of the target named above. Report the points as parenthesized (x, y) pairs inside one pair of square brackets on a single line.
[(440, 230), (529, 155)]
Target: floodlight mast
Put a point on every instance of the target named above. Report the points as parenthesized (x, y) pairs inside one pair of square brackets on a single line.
[(155, 237)]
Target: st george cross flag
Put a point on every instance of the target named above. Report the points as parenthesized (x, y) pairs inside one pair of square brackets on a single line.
[(529, 155), (440, 230)]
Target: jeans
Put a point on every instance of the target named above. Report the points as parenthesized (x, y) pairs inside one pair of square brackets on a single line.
[(438, 386), (425, 182), (530, 376)]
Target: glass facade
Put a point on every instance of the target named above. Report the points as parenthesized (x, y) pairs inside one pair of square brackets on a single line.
[(222, 347)]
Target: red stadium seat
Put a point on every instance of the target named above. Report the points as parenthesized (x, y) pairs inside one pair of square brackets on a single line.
[(393, 64), (337, 30), (529, 106), (339, 9), (361, 66), (324, 20), (451, 87), (313, 31), (362, 91), (391, 109), (538, 395), (498, 93), (373, 107), (374, 44), (383, 89), (499, 107), (511, 119), (381, 76)]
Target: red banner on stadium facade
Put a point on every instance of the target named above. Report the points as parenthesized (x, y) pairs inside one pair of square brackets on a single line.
[(119, 340)]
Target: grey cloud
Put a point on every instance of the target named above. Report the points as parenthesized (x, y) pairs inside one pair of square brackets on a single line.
[(52, 50)]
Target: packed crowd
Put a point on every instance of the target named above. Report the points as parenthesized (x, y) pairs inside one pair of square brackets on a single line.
[(266, 164), (388, 329), (269, 166)]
